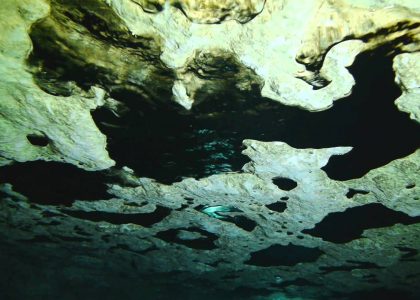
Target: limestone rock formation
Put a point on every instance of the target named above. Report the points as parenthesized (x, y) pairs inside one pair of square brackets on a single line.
[(209, 11), (80, 77), (407, 76), (63, 122)]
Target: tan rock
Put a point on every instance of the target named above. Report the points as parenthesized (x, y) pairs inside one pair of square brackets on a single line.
[(65, 122), (209, 11), (407, 76)]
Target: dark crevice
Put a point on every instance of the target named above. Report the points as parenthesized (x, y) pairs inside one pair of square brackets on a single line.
[(279, 255), (352, 192), (50, 214), (143, 219), (183, 206), (315, 80), (277, 206), (242, 222), (343, 227), (80, 231), (204, 241), (72, 238), (38, 140), (54, 183), (346, 268), (52, 223), (408, 252), (285, 184), (127, 248)]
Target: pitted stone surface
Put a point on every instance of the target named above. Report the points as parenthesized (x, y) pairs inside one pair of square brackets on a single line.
[(314, 198), (150, 48)]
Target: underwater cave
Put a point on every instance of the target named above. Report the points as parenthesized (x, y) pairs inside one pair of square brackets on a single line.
[(147, 227)]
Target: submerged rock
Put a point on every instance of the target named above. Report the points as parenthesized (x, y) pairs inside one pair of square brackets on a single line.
[(227, 233)]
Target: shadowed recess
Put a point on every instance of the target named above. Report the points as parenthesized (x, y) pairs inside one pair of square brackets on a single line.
[(379, 132), (242, 222), (346, 268), (353, 192), (408, 253), (143, 219), (343, 227), (285, 184), (167, 143), (199, 239), (54, 183), (277, 206), (279, 255), (38, 140)]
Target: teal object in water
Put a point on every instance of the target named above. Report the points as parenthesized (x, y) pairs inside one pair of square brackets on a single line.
[(214, 211)]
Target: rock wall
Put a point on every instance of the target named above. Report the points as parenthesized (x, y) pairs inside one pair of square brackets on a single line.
[(279, 227)]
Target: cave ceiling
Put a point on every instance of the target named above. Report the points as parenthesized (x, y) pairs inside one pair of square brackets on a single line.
[(185, 149)]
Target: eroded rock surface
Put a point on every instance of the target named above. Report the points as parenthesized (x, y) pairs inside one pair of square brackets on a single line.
[(26, 110), (280, 227), (209, 11)]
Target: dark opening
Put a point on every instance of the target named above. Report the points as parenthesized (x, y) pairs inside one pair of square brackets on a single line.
[(352, 192), (168, 143), (285, 184), (343, 227), (277, 206), (54, 183), (278, 255), (143, 219), (345, 268), (409, 253), (38, 140), (242, 222), (376, 130), (205, 242), (73, 238)]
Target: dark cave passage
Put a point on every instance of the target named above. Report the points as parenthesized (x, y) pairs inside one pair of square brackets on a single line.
[(54, 183), (343, 227), (143, 219), (168, 143)]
